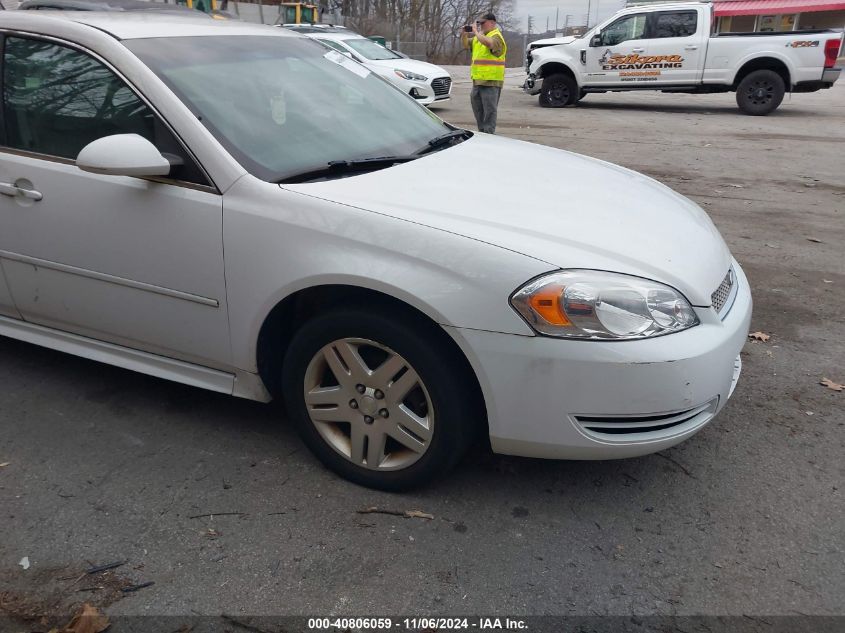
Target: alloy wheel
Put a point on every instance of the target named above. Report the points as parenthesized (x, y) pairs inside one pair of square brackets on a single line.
[(760, 92), (369, 404)]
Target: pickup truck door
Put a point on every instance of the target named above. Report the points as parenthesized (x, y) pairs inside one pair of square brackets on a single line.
[(677, 43), (613, 49)]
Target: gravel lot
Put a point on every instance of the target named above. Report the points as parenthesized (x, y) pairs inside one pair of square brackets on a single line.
[(745, 519)]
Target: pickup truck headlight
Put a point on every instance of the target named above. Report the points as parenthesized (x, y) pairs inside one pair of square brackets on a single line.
[(407, 74), (591, 304)]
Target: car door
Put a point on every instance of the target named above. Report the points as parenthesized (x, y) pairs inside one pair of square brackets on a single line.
[(137, 262), (7, 305), (615, 51), (675, 46)]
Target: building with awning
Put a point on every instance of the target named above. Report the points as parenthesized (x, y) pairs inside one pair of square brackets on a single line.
[(745, 16)]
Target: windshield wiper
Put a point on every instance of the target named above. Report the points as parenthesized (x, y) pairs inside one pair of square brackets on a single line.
[(445, 139), (335, 168)]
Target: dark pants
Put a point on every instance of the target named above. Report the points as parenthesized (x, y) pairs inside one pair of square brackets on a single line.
[(485, 103)]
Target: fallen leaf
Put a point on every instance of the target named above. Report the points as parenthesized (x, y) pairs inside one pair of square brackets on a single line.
[(4, 464), (736, 186), (418, 514), (835, 386), (827, 281), (211, 533), (88, 620), (814, 239), (759, 336), (25, 560)]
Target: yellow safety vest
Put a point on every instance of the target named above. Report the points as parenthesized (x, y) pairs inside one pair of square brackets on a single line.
[(485, 65)]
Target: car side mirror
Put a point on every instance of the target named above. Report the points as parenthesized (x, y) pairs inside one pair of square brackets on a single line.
[(595, 40), (123, 155)]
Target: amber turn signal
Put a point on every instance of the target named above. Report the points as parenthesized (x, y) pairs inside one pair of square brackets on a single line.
[(546, 303)]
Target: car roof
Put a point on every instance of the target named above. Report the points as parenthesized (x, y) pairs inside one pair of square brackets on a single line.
[(316, 28), (127, 25), (349, 35), (104, 5)]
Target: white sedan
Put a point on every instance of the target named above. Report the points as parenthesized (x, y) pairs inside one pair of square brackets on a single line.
[(229, 206), (425, 82)]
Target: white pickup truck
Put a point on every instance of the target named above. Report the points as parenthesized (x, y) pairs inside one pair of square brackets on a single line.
[(669, 47)]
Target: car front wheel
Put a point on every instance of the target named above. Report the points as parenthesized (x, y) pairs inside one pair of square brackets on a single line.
[(380, 400)]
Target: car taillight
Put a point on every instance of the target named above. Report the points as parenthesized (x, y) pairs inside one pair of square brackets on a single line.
[(831, 50)]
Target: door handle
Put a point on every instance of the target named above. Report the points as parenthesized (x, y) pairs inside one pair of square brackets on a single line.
[(13, 191), (637, 50), (691, 48)]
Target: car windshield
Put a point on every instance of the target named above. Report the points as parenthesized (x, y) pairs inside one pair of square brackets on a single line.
[(370, 49), (285, 105)]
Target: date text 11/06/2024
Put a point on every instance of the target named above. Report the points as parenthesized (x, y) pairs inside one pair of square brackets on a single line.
[(417, 624)]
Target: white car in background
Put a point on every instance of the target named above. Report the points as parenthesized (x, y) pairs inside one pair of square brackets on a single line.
[(425, 82)]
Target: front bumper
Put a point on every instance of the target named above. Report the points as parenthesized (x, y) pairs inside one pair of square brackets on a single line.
[(532, 85), (423, 91), (570, 399)]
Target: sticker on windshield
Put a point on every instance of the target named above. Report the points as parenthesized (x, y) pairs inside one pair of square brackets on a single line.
[(278, 109), (348, 64)]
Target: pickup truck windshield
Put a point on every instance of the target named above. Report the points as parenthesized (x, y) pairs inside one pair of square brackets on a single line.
[(285, 105)]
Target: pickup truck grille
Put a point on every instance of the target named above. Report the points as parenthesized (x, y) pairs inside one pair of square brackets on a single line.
[(720, 296), (441, 86)]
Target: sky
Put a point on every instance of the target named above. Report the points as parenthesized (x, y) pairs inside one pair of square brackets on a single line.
[(542, 9)]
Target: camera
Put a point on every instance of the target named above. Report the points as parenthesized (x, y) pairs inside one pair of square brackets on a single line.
[(467, 28)]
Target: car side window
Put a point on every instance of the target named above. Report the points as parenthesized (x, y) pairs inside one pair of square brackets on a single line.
[(334, 45), (57, 99), (629, 27), (674, 24)]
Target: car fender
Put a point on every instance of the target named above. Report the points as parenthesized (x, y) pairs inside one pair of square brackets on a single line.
[(538, 65), (768, 54), (278, 242)]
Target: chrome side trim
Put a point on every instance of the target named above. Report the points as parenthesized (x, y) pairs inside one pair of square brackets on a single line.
[(134, 360), (120, 281)]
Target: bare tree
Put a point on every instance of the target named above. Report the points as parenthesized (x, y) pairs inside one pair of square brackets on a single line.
[(437, 24)]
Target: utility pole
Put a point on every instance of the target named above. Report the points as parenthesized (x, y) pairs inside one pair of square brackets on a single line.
[(547, 24), (557, 15), (530, 24), (589, 3)]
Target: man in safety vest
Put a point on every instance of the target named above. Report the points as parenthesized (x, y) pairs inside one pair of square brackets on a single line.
[(487, 70)]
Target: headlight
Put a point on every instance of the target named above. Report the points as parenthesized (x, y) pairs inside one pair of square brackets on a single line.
[(406, 74), (590, 304)]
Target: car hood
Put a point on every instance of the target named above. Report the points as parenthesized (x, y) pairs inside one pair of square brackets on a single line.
[(551, 41), (564, 209), (412, 65)]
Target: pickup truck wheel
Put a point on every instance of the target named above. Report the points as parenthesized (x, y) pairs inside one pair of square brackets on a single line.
[(378, 398), (558, 91), (760, 92)]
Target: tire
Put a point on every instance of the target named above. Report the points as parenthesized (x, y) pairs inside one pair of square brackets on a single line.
[(760, 92), (558, 91), (413, 435)]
